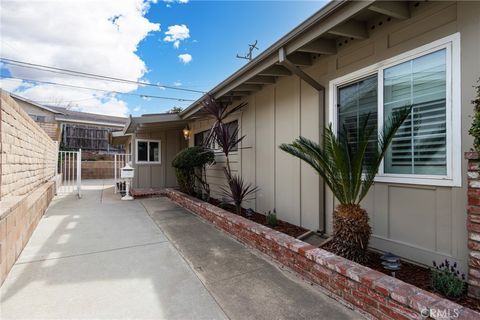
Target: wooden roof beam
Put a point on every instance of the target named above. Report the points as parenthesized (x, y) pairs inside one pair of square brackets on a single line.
[(239, 93), (285, 61), (248, 87), (229, 99), (320, 46), (300, 59), (394, 9), (261, 80), (275, 71), (351, 29)]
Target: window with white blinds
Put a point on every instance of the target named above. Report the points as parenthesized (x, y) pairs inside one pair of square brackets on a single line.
[(427, 147), (356, 101), (420, 145)]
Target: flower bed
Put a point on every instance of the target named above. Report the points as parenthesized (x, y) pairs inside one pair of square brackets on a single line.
[(282, 226), (367, 290)]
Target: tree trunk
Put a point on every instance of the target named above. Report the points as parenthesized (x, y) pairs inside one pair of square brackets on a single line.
[(351, 232)]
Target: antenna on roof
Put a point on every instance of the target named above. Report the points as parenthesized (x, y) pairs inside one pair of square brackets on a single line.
[(251, 47)]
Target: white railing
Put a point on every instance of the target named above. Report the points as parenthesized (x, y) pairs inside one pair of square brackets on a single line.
[(70, 168), (119, 161)]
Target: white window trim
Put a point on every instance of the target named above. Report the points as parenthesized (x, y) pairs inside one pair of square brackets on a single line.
[(453, 109), (148, 151)]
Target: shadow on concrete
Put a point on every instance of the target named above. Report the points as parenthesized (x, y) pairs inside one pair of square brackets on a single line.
[(99, 257)]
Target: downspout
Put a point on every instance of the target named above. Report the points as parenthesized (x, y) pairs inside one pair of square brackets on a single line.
[(283, 60)]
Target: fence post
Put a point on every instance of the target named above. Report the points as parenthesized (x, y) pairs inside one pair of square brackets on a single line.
[(115, 173), (79, 173)]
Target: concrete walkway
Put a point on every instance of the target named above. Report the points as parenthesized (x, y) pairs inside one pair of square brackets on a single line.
[(99, 257)]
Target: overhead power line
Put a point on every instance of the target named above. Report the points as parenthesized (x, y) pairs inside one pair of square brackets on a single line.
[(97, 89), (74, 73)]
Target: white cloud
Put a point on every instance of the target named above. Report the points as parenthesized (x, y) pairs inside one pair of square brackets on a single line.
[(185, 58), (101, 40), (177, 83), (177, 33)]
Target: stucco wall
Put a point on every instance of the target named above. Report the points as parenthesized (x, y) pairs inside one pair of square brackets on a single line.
[(422, 223), (29, 155), (158, 175)]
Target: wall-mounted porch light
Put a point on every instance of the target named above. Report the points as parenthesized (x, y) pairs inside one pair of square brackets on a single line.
[(187, 132)]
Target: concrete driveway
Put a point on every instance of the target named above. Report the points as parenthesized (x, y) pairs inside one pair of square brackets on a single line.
[(99, 257)]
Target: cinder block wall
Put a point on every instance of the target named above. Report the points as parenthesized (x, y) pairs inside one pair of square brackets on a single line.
[(28, 158), (28, 153)]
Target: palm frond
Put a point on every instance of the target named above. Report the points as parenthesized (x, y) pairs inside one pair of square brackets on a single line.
[(391, 126), (343, 167)]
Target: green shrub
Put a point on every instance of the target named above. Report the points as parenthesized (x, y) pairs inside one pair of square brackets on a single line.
[(187, 164), (446, 280), (193, 157), (475, 129), (271, 217)]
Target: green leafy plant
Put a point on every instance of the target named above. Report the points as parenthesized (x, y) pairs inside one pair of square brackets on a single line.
[(271, 218), (349, 175), (189, 166), (475, 128), (446, 280)]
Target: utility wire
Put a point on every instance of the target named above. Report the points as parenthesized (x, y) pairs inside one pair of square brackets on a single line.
[(97, 89), (41, 67)]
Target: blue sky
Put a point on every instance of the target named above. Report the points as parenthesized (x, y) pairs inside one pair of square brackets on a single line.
[(217, 31)]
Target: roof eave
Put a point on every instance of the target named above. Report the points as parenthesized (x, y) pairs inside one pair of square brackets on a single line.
[(291, 42)]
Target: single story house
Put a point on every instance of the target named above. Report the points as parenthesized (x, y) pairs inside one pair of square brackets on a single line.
[(347, 59), (152, 140), (74, 129)]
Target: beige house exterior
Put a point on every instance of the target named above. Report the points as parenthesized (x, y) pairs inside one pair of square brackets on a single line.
[(295, 88), (162, 138)]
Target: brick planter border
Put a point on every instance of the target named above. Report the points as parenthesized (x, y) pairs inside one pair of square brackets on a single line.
[(473, 223), (370, 291)]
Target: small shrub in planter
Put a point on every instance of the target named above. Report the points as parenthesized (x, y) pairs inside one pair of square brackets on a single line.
[(187, 163), (271, 218), (446, 280)]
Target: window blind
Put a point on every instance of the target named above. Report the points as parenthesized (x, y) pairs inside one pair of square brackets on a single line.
[(419, 147), (355, 101)]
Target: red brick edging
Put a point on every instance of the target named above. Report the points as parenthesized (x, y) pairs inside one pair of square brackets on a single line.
[(473, 223), (370, 291)]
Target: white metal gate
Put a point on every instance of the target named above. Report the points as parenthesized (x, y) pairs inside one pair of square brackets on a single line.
[(119, 161), (70, 171)]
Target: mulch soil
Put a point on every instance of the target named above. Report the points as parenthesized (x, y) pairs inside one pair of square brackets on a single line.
[(282, 226), (415, 275), (410, 273)]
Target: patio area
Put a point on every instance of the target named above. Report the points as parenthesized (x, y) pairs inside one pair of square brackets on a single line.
[(99, 257)]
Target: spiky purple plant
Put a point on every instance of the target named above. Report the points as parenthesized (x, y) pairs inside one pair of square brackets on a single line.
[(238, 191)]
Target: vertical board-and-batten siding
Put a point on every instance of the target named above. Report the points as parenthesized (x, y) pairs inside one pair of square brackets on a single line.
[(422, 223), (419, 222), (158, 175), (215, 173), (274, 116)]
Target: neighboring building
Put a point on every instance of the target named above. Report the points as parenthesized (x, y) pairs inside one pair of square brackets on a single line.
[(349, 58), (73, 129), (42, 115)]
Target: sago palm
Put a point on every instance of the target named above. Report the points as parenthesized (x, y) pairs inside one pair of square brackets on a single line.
[(342, 163)]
